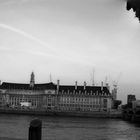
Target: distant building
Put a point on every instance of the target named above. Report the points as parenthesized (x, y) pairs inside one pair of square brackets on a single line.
[(50, 96), (131, 98)]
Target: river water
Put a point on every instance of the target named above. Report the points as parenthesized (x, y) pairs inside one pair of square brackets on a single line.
[(69, 128)]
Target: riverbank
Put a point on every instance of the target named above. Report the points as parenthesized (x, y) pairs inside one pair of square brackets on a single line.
[(94, 114)]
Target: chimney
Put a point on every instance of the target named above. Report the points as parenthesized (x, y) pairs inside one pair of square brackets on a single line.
[(75, 85), (58, 82), (85, 85), (102, 85)]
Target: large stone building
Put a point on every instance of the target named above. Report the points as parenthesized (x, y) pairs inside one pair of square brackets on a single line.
[(56, 97)]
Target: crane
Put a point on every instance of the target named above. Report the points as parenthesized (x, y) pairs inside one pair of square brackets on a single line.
[(115, 83), (115, 86)]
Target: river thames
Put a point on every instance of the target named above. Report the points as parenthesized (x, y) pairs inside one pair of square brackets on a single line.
[(68, 128)]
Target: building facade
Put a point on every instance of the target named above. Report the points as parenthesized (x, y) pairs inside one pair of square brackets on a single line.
[(56, 97)]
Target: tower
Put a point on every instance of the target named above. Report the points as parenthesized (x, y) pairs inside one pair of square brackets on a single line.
[(32, 80)]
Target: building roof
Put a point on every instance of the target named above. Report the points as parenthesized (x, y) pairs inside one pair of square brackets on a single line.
[(52, 86), (43, 86), (88, 89)]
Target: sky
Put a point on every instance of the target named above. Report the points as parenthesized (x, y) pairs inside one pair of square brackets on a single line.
[(70, 40)]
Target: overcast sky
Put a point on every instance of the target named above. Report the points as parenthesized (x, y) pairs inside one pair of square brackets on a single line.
[(70, 38)]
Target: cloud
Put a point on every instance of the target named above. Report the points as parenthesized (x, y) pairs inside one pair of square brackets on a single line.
[(27, 35), (55, 53)]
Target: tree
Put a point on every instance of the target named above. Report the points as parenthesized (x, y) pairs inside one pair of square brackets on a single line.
[(135, 5), (116, 104)]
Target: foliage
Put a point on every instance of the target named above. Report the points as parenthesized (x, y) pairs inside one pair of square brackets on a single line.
[(135, 5), (116, 104)]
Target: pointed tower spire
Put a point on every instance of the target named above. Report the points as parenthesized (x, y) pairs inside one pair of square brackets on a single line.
[(32, 80)]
